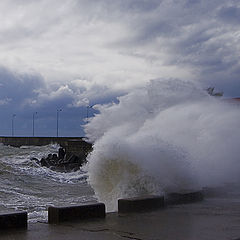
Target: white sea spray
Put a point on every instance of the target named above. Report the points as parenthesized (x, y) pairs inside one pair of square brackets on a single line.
[(168, 136)]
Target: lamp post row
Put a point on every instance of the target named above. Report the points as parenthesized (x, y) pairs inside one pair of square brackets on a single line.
[(33, 121)]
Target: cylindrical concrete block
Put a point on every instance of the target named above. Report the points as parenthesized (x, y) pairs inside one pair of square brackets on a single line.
[(139, 204), (13, 220), (80, 212)]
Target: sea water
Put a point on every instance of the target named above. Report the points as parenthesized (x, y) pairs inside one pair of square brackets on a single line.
[(25, 185)]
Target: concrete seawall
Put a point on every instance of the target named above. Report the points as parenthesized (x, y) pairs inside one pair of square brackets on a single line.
[(206, 220), (37, 141), (72, 145), (213, 218)]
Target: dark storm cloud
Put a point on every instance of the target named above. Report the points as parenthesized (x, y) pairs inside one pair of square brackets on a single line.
[(87, 52), (201, 36), (23, 95), (230, 14), (85, 36), (28, 92), (138, 6), (18, 87), (121, 6)]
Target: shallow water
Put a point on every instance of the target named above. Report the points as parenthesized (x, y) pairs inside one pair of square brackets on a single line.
[(25, 185)]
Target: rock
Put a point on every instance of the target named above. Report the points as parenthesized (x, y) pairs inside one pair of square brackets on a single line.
[(35, 159), (63, 162), (61, 153), (45, 163), (55, 157)]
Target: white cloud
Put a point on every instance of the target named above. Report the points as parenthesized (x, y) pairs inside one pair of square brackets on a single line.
[(60, 92), (71, 53), (119, 45)]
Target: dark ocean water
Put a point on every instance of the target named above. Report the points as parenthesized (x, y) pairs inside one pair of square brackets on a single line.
[(25, 185)]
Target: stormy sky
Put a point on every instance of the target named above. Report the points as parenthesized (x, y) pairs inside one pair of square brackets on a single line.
[(68, 54)]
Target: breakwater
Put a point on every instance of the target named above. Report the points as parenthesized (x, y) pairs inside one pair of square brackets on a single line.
[(59, 214), (72, 145), (37, 141)]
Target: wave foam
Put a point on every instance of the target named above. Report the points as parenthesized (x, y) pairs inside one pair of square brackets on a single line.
[(166, 137)]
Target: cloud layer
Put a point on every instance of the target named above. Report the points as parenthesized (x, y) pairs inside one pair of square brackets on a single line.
[(73, 53)]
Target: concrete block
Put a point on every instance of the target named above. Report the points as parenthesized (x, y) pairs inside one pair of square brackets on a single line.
[(80, 212), (139, 204), (13, 220), (184, 197), (214, 192)]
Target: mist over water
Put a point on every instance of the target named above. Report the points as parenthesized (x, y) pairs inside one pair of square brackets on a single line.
[(169, 136)]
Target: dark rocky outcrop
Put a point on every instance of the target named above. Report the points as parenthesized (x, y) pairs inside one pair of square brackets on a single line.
[(63, 162)]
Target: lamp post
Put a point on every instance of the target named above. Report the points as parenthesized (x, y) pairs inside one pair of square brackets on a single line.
[(58, 110), (33, 122), (13, 116)]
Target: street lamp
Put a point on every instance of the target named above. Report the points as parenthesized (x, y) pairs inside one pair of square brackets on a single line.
[(13, 116), (33, 121), (58, 110)]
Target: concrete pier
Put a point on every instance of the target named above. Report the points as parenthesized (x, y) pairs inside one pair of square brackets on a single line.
[(12, 220), (38, 141), (73, 145), (140, 204), (213, 218), (80, 212), (184, 197), (77, 147)]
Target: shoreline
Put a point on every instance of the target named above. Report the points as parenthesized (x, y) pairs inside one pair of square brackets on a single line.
[(213, 218)]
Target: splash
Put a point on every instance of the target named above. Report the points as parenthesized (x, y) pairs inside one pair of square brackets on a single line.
[(169, 136)]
